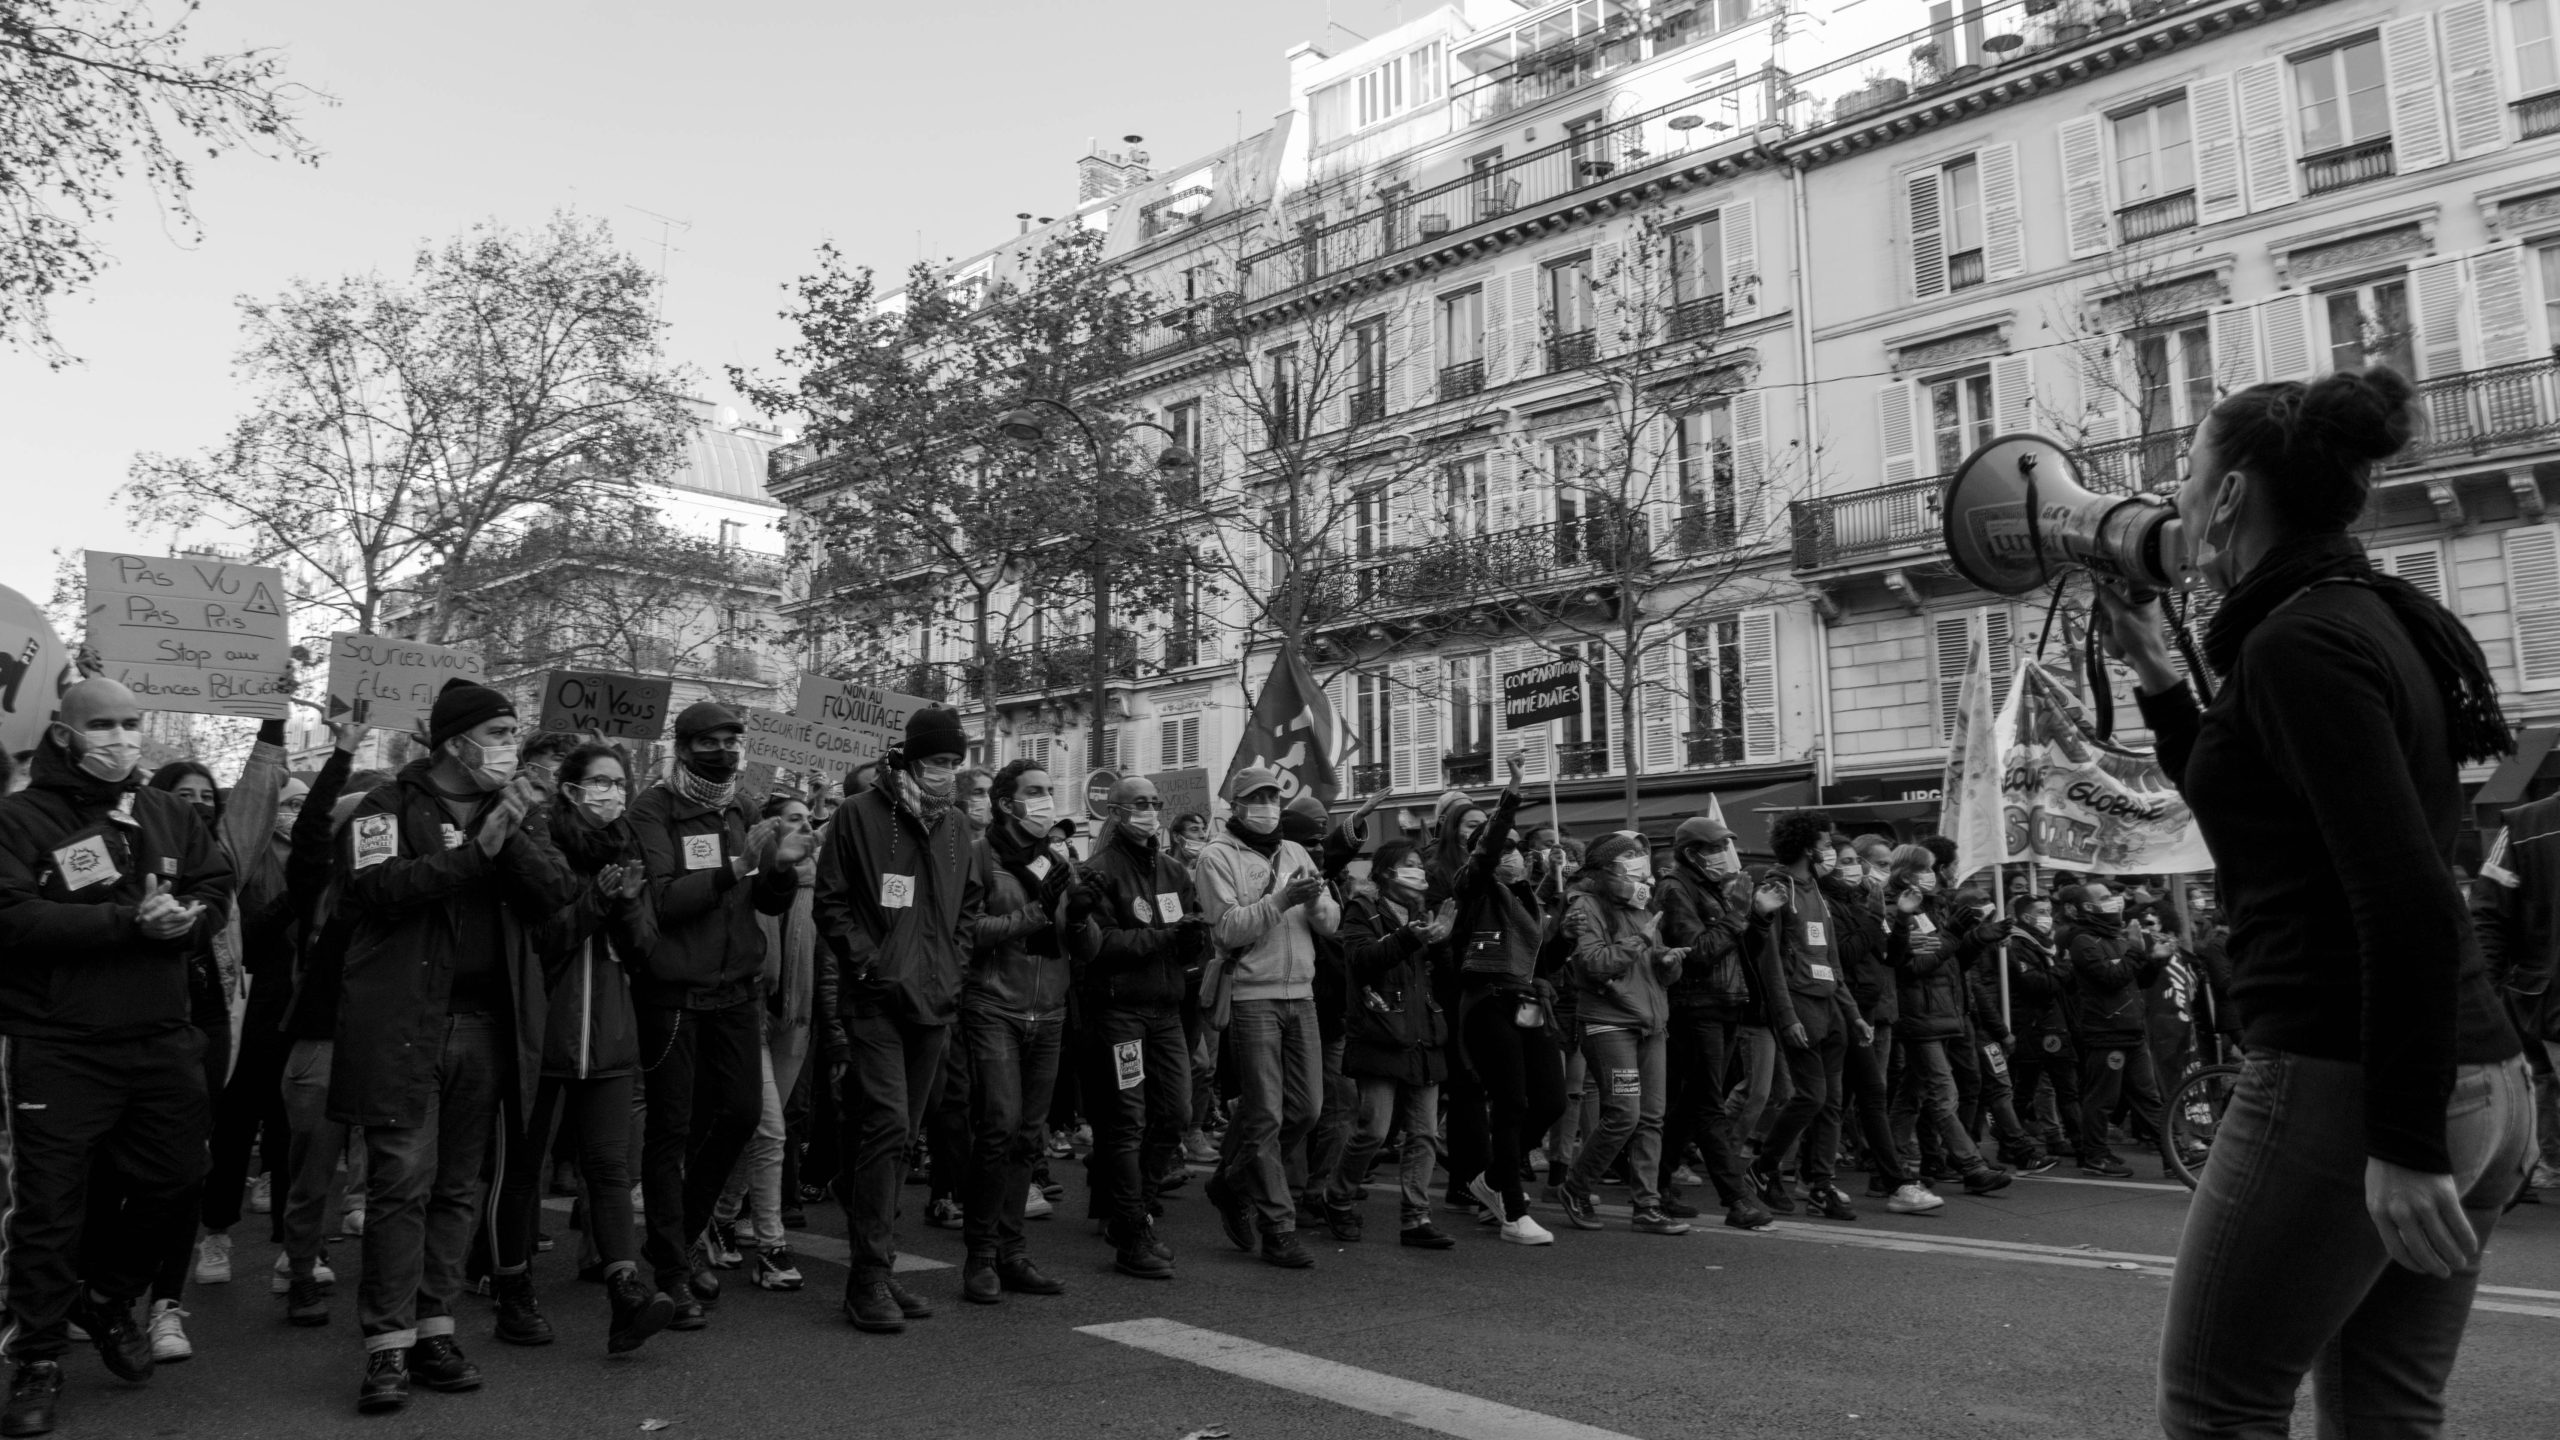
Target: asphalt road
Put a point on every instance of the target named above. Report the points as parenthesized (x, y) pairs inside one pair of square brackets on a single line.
[(2032, 1314)]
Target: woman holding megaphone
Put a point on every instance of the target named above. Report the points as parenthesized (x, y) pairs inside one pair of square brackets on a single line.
[(2383, 1119)]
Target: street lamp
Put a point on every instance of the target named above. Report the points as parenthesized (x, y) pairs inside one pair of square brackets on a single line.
[(1025, 426)]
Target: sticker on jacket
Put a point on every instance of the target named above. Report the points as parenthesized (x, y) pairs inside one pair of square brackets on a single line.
[(897, 892), (2495, 866), (1996, 1058), (1921, 922), (1169, 906), (1626, 1082), (1129, 1057), (1146, 913), (702, 852), (2115, 1059), (1817, 935), (1039, 867), (377, 839), (84, 863), (1819, 971)]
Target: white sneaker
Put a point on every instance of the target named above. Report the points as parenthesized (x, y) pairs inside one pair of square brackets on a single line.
[(1526, 1231), (280, 1280), (168, 1337), (261, 1196), (1036, 1206), (1488, 1197), (213, 1260), (1913, 1200), (352, 1222)]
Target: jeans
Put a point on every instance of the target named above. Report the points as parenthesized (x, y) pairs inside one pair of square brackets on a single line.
[(946, 1125), (1579, 1113), (1759, 1068), (1812, 1114), (1523, 1081), (1627, 1069), (1699, 1050), (1332, 1135), (2107, 1074), (599, 1115), (1385, 1104), (313, 1150), (1280, 1059), (1137, 1124), (704, 1093), (755, 1182), (1866, 1070), (1928, 1094), (887, 1089), (1013, 1066), (2281, 1274), (423, 1193), (1996, 1099), (2546, 1094)]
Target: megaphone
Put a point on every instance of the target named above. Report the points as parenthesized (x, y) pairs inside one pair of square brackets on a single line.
[(2016, 514)]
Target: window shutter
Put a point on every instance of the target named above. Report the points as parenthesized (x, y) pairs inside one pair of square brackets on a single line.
[(1403, 761), (1409, 513), (2533, 604), (1607, 337), (2004, 232), (1427, 736), (2101, 398), (1928, 238), (2435, 294), (1740, 223), (1531, 744), (1760, 737), (2214, 112), (1420, 366), (1661, 705), (1997, 636), (2266, 133), (2472, 90), (1750, 467), (2285, 323), (2497, 292), (2084, 185), (1506, 499), (2420, 565), (2232, 330), (1400, 369), (1525, 322), (2013, 393), (1895, 431), (2410, 78), (1953, 639), (1493, 341)]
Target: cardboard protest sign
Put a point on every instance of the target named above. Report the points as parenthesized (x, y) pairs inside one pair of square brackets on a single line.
[(878, 717), (205, 636), (389, 683), (618, 707), (1537, 694), (1185, 792), (812, 747)]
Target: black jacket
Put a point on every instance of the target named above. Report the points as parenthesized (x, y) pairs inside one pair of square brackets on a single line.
[(902, 958), (1393, 1026), (710, 951), (311, 890), (1799, 984), (2515, 907), (75, 856), (2039, 995), (1928, 976), (1135, 953), (1866, 971), (2109, 972), (1699, 916)]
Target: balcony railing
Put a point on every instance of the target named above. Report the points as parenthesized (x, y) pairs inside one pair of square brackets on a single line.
[(1588, 757), (1964, 270), (2477, 411), (1368, 406), (2148, 218), (1175, 329), (1462, 379), (2538, 116), (1040, 669), (1713, 747), (1571, 351), (1369, 779), (2352, 165), (1475, 768), (1697, 319), (1525, 560)]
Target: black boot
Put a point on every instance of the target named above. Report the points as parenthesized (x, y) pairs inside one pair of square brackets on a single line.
[(121, 1343), (439, 1364), (520, 1319), (638, 1311), (31, 1398), (386, 1382), (1132, 1256)]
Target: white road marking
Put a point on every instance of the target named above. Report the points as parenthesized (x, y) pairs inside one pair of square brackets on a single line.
[(809, 1245), (2165, 1187), (1425, 1406)]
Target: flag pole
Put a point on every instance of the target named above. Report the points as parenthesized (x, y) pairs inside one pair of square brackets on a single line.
[(1555, 762), (2000, 955)]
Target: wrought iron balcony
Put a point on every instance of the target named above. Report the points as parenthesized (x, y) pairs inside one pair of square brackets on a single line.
[(2348, 165), (2160, 215), (1571, 351), (1051, 667), (2504, 407), (1369, 779), (1462, 379), (2538, 116), (1368, 406), (1461, 771), (1964, 269), (1530, 559), (1587, 757), (1696, 319), (1713, 747)]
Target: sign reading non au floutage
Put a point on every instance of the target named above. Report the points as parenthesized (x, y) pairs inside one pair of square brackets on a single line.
[(1540, 693), (879, 716), (618, 707), (389, 683), (812, 747), (205, 636)]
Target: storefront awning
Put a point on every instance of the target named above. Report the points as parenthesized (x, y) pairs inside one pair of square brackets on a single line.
[(1747, 810), (2507, 784)]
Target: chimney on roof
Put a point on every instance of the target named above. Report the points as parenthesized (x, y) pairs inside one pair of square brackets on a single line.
[(1102, 173)]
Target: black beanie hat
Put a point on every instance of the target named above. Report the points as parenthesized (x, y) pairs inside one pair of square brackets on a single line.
[(462, 706), (934, 730)]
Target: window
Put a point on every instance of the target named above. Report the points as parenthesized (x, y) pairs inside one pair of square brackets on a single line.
[(1568, 286), (1591, 147), (1465, 494), (1715, 693), (1583, 738), (2368, 324), (1959, 417), (1707, 514), (2547, 261), (1962, 186), (2173, 385), (1697, 278), (733, 533), (1571, 463), (1957, 29), (1459, 329), (2154, 155), (1280, 405), (1178, 743), (2534, 29), (1372, 698), (1470, 691), (1182, 628), (1401, 85), (1492, 193), (2339, 97), (1368, 369)]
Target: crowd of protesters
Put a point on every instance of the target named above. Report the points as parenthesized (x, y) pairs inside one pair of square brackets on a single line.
[(522, 966)]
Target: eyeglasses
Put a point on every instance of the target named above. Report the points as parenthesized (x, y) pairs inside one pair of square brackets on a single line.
[(1142, 804), (601, 785)]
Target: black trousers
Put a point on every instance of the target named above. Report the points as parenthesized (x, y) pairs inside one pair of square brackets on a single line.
[(1812, 1115), (1137, 1123), (251, 1110), (705, 1089), (134, 1113), (1700, 1050)]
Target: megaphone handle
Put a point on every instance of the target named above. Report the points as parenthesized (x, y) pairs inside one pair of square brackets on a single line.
[(2035, 532), (2102, 690)]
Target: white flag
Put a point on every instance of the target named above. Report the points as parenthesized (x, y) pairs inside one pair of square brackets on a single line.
[(1972, 811)]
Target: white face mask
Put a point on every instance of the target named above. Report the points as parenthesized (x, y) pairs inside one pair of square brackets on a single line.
[(1409, 879), (602, 805), (110, 757), (1260, 817), (1038, 812), (2112, 905), (492, 765), (1142, 822), (1854, 874)]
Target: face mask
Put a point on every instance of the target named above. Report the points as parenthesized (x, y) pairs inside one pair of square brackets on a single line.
[(492, 765), (1511, 869), (602, 805), (1927, 882), (935, 780), (1261, 818), (1854, 874), (2109, 906), (1038, 812), (1408, 879), (2041, 924), (717, 766), (1142, 822), (204, 810), (286, 815), (2210, 555), (111, 759), (980, 810)]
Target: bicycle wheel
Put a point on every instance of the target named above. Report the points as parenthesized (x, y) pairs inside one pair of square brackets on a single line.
[(2192, 1116)]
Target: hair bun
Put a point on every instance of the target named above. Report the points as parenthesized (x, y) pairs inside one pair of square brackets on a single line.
[(2365, 415)]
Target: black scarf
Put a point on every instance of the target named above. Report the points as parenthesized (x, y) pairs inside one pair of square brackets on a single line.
[(2474, 723), (1265, 846), (587, 846), (1017, 852)]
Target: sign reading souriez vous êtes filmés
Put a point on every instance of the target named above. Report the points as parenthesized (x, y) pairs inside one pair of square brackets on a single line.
[(388, 683), (617, 707), (199, 635)]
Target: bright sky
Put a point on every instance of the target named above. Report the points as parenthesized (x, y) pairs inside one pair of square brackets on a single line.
[(767, 126)]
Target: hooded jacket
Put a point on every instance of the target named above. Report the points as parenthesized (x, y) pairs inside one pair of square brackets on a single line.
[(1392, 1025), (2039, 993), (1800, 979), (710, 951), (897, 908), (1621, 969), (2515, 908), (2109, 972), (1697, 915), (76, 854), (400, 880), (1143, 942), (1273, 945)]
